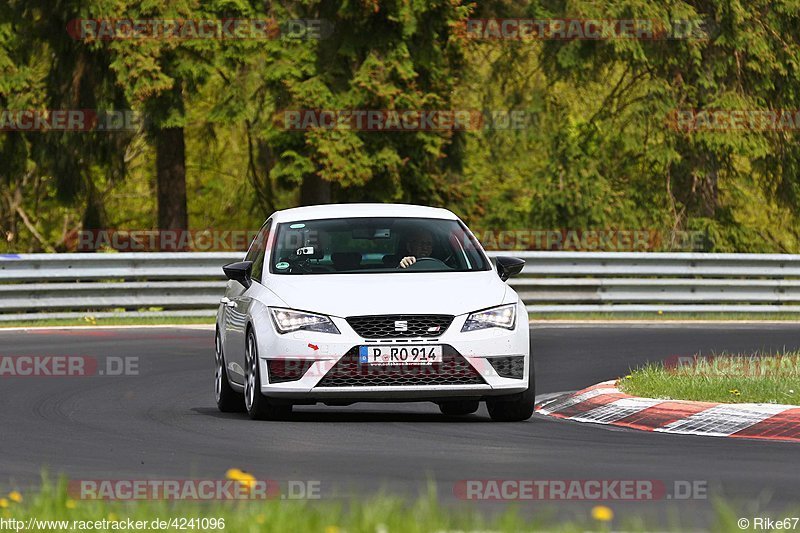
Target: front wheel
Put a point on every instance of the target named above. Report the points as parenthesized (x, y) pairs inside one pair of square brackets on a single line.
[(258, 406), (514, 407)]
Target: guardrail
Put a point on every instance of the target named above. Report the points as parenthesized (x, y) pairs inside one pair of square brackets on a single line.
[(190, 284)]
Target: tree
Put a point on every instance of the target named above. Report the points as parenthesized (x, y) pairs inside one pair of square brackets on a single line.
[(747, 61), (77, 79), (159, 75), (379, 56)]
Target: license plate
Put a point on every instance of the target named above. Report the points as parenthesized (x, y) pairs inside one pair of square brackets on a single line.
[(399, 355)]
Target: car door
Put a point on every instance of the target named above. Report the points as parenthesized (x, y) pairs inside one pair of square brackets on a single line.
[(238, 301)]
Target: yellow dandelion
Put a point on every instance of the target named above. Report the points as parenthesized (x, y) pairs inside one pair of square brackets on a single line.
[(602, 513), (332, 529), (629, 376), (248, 481), (15, 497), (3, 503), (260, 519), (70, 504), (112, 517), (735, 392), (234, 474)]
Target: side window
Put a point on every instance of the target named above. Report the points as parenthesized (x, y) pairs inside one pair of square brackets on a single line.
[(258, 250)]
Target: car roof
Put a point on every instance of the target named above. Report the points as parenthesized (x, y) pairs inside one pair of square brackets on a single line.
[(316, 212)]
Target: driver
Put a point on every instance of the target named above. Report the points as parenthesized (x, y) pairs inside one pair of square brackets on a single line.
[(418, 244)]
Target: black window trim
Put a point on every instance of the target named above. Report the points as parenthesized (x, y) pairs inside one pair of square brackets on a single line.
[(478, 247), (260, 275)]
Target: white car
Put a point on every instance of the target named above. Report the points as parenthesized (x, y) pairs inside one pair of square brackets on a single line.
[(371, 302)]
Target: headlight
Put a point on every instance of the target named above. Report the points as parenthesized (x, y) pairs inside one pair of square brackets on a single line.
[(504, 316), (287, 320)]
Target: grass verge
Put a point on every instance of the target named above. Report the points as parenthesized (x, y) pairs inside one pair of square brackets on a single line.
[(379, 513), (112, 321), (756, 378)]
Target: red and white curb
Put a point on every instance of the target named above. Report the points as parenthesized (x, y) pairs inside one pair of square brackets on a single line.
[(604, 403)]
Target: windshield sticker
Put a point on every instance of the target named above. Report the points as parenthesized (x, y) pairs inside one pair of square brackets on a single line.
[(283, 265), (297, 226)]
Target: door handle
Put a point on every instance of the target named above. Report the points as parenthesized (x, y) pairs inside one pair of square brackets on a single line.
[(227, 301)]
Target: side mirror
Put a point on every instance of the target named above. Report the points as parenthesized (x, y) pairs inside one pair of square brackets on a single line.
[(239, 272), (509, 266)]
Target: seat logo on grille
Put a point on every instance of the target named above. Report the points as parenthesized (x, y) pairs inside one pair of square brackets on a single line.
[(401, 325)]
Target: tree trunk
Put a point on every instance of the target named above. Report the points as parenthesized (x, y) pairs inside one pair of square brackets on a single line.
[(171, 184), (315, 190), (93, 216)]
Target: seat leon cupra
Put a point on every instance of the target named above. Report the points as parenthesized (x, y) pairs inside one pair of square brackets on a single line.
[(338, 304)]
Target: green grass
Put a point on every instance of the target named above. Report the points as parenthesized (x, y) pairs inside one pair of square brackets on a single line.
[(756, 378), (113, 321), (374, 514), (665, 317)]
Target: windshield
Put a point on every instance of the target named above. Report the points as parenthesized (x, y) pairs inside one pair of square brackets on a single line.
[(375, 245)]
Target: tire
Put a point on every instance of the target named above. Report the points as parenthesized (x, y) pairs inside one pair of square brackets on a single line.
[(514, 407), (228, 400), (258, 406), (459, 408)]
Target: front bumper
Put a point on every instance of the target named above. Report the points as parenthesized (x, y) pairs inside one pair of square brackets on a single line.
[(319, 354)]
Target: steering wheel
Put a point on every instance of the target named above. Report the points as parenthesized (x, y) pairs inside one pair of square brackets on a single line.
[(428, 263)]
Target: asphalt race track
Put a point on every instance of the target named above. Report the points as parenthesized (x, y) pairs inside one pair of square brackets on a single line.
[(163, 424)]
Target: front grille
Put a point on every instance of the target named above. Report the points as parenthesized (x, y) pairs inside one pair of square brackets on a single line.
[(284, 370), (508, 367), (453, 370), (400, 326)]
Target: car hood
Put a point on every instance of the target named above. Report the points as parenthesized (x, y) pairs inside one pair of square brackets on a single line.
[(346, 295)]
